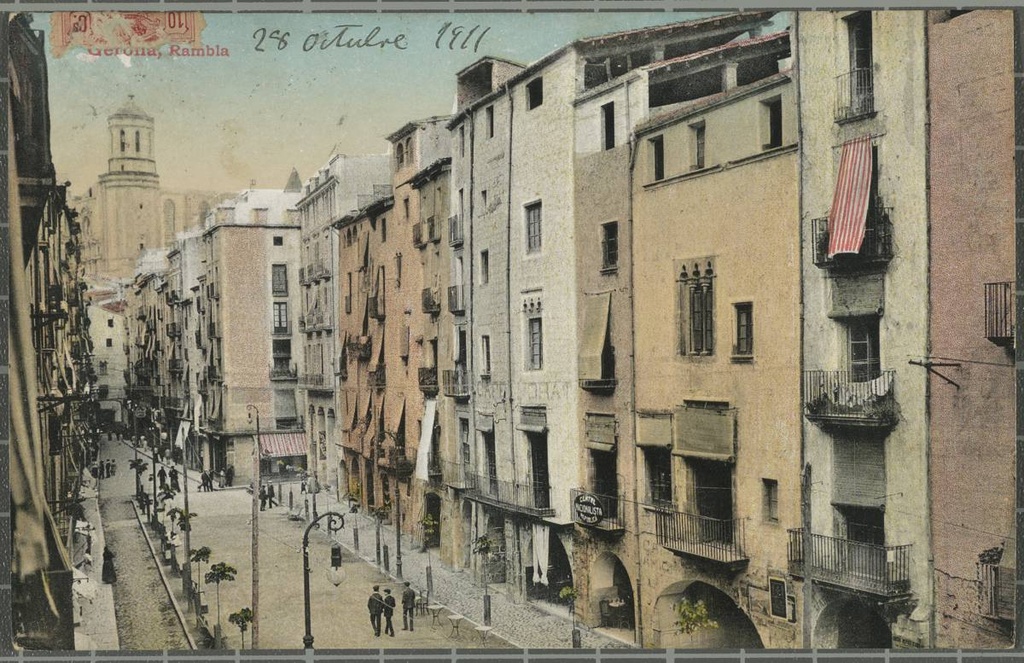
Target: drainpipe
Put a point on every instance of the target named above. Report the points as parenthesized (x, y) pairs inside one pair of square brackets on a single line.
[(638, 598), (929, 533), (1018, 68), (805, 486)]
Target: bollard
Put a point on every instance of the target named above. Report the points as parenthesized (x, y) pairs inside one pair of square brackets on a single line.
[(291, 498), (387, 561), (577, 639), (430, 582), (217, 638), (355, 537), (487, 609)]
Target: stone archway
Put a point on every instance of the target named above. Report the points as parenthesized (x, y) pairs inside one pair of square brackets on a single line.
[(735, 629), (611, 593), (850, 623)]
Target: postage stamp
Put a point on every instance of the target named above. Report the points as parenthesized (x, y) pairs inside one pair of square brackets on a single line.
[(124, 31)]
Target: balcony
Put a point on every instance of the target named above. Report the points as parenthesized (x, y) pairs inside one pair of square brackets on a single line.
[(855, 95), (302, 323), (456, 383), (453, 474), (996, 595), (456, 303), (282, 330), (430, 301), (433, 230), (874, 569), (875, 250), (847, 398), (213, 373), (175, 365), (396, 459), (434, 472), (173, 330), (999, 313), (303, 279), (283, 373), (532, 498), (312, 381), (417, 236), (699, 536), (360, 347), (375, 304), (600, 512), (378, 377), (455, 235), (428, 380)]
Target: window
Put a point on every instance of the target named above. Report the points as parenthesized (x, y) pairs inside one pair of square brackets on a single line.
[(485, 267), (658, 157), (399, 155), (462, 141), (864, 349), (490, 121), (744, 329), (534, 93), (608, 119), (383, 230), (348, 297), (485, 351), (771, 500), (857, 94), (110, 322), (102, 369), (280, 317), (278, 240), (110, 342), (124, 144), (536, 346), (279, 280), (405, 207), (777, 597), (398, 270), (609, 245), (696, 308), (533, 212), (138, 142), (698, 145), (659, 475), (483, 199), (772, 112)]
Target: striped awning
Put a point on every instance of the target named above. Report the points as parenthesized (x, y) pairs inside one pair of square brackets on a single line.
[(848, 217), (278, 445)]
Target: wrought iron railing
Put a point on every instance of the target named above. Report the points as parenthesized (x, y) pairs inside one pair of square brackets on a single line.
[(430, 301), (597, 511), (360, 347), (876, 247), (312, 380), (701, 536), (456, 303), (378, 377), (455, 235), (456, 382), (428, 380), (283, 372), (880, 570), (999, 313), (533, 497), (861, 398), (855, 94)]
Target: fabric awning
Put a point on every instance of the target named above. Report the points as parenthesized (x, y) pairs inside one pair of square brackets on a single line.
[(380, 348), (706, 433), (455, 343), (355, 411), (485, 423), (426, 432), (594, 336), (365, 253), (600, 432), (860, 473), (848, 217), (400, 418), (279, 445), (654, 430)]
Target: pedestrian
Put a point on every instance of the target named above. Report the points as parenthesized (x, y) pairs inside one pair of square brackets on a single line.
[(109, 574), (101, 470), (302, 486), (94, 471), (110, 468), (175, 486), (162, 475), (270, 496), (375, 606), (408, 606), (203, 478), (113, 467), (389, 610), (229, 476), (263, 498)]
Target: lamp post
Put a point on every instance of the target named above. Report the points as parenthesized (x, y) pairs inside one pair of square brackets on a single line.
[(152, 451), (398, 528), (335, 523), (254, 636), (186, 577)]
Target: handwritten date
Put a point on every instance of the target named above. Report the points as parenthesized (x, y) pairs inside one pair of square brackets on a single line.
[(358, 36)]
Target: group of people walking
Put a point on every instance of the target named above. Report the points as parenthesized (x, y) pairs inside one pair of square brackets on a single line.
[(163, 475), (384, 606), (103, 469), (267, 496)]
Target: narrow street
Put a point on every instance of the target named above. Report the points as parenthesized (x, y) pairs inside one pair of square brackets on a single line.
[(145, 617)]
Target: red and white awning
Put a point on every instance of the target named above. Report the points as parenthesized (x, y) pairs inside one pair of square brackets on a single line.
[(279, 445), (848, 217)]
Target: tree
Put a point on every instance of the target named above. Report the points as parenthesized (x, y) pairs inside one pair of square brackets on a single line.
[(241, 619), (482, 546), (218, 573), (139, 466), (692, 617), (177, 514)]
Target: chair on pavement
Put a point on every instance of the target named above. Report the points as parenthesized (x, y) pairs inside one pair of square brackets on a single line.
[(606, 612)]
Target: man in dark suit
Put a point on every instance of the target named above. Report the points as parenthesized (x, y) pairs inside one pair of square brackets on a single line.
[(408, 606), (389, 610), (375, 606)]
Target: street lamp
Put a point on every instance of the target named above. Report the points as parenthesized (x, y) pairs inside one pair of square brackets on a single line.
[(254, 635), (335, 523)]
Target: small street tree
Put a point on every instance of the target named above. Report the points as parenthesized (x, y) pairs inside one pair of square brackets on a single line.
[(140, 466), (218, 573), (482, 547), (692, 617), (241, 619)]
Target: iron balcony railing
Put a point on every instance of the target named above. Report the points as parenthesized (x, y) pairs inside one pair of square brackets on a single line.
[(852, 398), (855, 94), (378, 377), (456, 303), (302, 323), (433, 230), (417, 236), (312, 380), (176, 365), (532, 498), (876, 569), (283, 372), (604, 512), (213, 373), (999, 313), (434, 473), (456, 382), (431, 303), (376, 307), (282, 330), (360, 347), (875, 249), (701, 536), (428, 380), (173, 329), (455, 235)]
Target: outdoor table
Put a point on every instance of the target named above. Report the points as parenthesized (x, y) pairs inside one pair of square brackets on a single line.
[(435, 611), (455, 620)]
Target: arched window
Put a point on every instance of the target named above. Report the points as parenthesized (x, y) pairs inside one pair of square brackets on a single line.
[(408, 149), (138, 143), (400, 155), (124, 145)]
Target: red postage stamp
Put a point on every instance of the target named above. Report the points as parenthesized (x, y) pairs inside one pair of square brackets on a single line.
[(124, 31)]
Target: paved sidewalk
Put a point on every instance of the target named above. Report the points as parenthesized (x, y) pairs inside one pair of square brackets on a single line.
[(97, 629)]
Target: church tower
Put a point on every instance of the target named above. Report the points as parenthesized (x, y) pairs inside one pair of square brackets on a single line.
[(128, 193)]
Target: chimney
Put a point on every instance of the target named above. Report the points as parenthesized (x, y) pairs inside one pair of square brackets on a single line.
[(728, 76)]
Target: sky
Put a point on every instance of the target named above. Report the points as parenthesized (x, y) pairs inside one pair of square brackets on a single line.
[(222, 122)]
